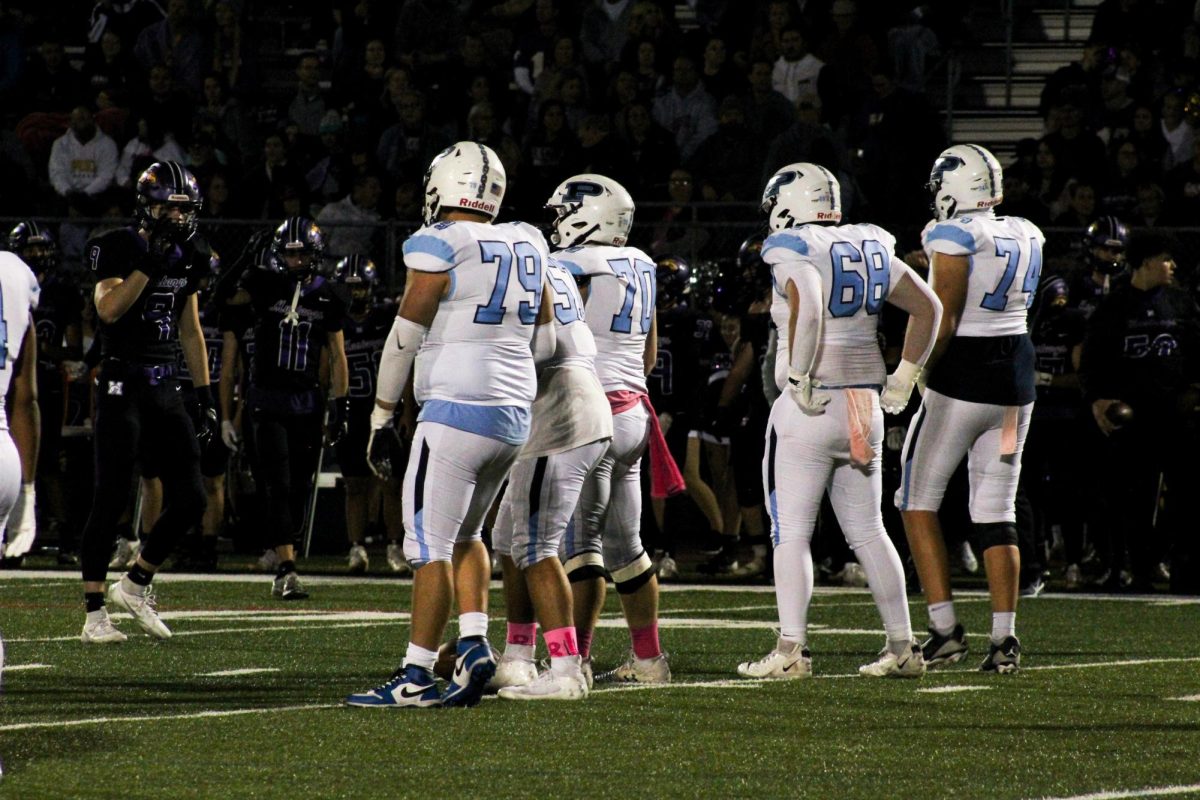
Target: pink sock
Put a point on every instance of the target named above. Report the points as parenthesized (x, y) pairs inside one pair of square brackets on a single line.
[(561, 642), (645, 641), (522, 633), (584, 638)]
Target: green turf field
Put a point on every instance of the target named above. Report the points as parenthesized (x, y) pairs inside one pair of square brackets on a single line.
[(244, 703)]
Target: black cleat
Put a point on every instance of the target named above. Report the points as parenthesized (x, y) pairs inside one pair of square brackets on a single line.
[(1003, 658), (940, 650)]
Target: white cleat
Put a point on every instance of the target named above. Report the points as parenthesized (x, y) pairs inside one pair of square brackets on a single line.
[(511, 672), (585, 666), (269, 560), (142, 607), (125, 555), (910, 664), (852, 574), (396, 559), (967, 558), (639, 670), (359, 560), (788, 661), (101, 629), (551, 685), (668, 570)]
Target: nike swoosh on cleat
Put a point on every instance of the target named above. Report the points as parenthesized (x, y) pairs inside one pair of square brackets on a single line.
[(405, 693), (788, 668)]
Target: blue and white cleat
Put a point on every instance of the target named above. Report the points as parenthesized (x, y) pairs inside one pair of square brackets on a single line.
[(475, 666), (409, 687)]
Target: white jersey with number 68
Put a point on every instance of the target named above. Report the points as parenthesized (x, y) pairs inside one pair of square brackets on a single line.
[(857, 267)]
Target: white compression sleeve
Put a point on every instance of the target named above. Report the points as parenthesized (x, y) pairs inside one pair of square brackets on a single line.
[(395, 363), (808, 321)]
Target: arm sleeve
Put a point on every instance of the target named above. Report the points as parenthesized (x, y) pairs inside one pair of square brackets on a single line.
[(808, 318)]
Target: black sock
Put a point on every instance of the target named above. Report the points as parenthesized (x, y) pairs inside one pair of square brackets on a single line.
[(284, 568), (93, 600), (139, 575), (208, 545)]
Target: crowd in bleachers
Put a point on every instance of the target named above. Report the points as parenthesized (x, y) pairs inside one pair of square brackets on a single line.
[(681, 102)]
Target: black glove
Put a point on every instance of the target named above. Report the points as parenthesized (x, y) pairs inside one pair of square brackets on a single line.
[(338, 421), (384, 449), (206, 417)]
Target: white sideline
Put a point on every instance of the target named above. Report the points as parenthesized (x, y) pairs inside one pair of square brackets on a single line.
[(17, 667), (233, 712), (1149, 791)]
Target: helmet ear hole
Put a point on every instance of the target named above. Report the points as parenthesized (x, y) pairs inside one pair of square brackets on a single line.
[(800, 194), (590, 209)]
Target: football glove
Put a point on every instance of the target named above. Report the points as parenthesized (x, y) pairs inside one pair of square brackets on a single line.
[(206, 417), (229, 435), (337, 424), (899, 387), (800, 387), (383, 449)]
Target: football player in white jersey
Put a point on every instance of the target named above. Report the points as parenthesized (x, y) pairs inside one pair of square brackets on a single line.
[(572, 427), (468, 315), (19, 427), (593, 215), (825, 432), (979, 396)]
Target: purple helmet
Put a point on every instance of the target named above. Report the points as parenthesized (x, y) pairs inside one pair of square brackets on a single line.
[(168, 184)]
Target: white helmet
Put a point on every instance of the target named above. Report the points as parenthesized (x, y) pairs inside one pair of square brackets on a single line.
[(466, 175), (801, 193), (590, 209), (965, 178)]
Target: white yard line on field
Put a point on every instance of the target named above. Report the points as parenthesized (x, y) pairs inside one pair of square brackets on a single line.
[(233, 712), (18, 667), (230, 673), (949, 689), (1149, 791), (1187, 698)]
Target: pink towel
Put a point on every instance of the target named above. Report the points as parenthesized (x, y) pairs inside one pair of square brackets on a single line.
[(859, 412), (665, 478)]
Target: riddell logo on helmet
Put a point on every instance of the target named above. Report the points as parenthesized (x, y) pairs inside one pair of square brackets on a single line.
[(477, 205), (828, 215)]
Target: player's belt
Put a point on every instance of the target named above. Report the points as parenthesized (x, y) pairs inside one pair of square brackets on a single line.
[(157, 372)]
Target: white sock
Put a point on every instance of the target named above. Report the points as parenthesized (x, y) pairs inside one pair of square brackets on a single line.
[(942, 618), (518, 652), (793, 588), (565, 665), (885, 577), (97, 615), (1004, 624), (472, 623), (418, 656)]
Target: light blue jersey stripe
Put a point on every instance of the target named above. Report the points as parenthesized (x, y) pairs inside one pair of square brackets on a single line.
[(953, 234), (508, 424), (787, 242), (429, 245)]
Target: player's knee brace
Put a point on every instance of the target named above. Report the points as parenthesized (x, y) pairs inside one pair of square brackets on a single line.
[(996, 534), (633, 575), (584, 566)]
